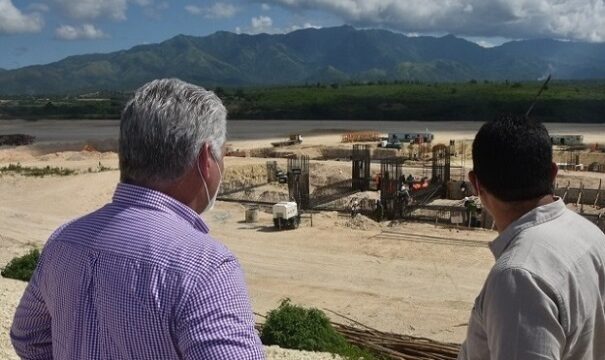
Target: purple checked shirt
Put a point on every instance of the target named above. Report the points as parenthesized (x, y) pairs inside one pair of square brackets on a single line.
[(139, 278)]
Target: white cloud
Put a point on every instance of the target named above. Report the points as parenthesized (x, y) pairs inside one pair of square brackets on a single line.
[(306, 25), (92, 9), (110, 9), (261, 24), (484, 44), (265, 7), (217, 11), (568, 19), (83, 32), (264, 24), (14, 21)]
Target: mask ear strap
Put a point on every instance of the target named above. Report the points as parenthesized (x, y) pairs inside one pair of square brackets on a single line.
[(205, 185)]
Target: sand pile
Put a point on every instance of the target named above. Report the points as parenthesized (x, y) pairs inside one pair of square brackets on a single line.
[(359, 222), (241, 176), (273, 196), (322, 174)]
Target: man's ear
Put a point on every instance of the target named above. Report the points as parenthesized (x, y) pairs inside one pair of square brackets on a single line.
[(203, 159), (474, 181), (554, 170)]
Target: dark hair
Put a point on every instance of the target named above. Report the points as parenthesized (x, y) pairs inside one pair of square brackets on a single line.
[(512, 157)]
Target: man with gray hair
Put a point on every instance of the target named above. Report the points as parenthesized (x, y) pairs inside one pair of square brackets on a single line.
[(141, 278)]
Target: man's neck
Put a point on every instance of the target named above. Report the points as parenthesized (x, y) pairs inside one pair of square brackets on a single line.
[(505, 213), (179, 190)]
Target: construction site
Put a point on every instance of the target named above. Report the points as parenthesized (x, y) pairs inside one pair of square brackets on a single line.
[(382, 179), (384, 231)]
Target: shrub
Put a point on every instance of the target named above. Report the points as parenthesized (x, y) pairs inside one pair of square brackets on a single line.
[(22, 268), (294, 327), (35, 171)]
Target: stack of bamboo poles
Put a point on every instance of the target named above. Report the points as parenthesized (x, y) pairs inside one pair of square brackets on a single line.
[(396, 346), (393, 346), (361, 136)]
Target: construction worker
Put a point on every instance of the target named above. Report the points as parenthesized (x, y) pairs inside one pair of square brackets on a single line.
[(471, 211), (354, 208), (463, 189), (410, 180), (404, 198), (379, 211)]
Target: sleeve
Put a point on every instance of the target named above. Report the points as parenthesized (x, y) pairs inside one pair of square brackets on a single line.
[(31, 330), (522, 318), (216, 320)]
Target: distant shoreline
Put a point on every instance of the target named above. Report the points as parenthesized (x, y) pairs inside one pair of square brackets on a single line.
[(67, 130), (561, 102)]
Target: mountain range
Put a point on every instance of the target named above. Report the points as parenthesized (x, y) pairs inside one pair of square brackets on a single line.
[(326, 55)]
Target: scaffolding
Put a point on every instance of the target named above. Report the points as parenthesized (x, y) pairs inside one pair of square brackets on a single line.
[(271, 171), (391, 180), (298, 181), (441, 164), (361, 158)]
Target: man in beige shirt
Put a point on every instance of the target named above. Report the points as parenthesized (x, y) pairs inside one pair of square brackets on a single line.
[(544, 298)]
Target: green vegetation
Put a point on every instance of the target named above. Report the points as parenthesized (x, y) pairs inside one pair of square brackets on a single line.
[(564, 101), (49, 107), (22, 268), (35, 171), (294, 327)]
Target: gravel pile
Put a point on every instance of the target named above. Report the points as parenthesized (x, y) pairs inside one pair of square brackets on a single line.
[(277, 353)]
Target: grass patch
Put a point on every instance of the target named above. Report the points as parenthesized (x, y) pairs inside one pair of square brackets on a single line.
[(36, 171), (22, 268), (294, 327)]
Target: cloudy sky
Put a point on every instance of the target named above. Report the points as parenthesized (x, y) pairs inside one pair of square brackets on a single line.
[(48, 30)]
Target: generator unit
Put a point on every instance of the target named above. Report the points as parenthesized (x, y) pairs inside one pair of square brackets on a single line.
[(285, 215)]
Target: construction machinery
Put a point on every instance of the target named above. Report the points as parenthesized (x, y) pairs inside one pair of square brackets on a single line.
[(286, 215), (294, 139), (390, 143), (396, 141)]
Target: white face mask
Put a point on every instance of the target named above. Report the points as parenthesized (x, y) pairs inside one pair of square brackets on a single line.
[(211, 202)]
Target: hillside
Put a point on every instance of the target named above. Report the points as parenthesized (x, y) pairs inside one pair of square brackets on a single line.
[(328, 55)]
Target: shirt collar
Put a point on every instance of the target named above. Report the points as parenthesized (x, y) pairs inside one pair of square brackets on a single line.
[(133, 195), (537, 216)]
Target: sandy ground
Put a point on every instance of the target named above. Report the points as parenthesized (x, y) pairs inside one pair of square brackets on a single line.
[(391, 284), (414, 279)]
